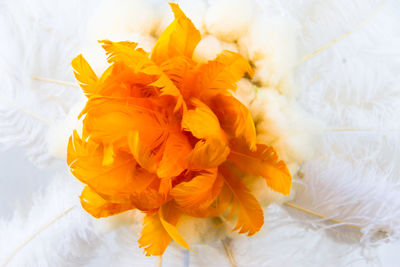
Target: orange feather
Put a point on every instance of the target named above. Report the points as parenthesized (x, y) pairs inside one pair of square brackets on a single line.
[(250, 215), (264, 162)]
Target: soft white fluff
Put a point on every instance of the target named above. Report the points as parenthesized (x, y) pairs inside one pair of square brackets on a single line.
[(207, 49), (229, 19), (69, 241), (270, 44), (282, 123), (196, 11), (61, 130), (121, 17), (39, 44), (352, 177)]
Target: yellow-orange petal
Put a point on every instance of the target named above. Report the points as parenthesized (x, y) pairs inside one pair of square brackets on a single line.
[(169, 216), (85, 160), (221, 74), (220, 204), (250, 215), (174, 159), (264, 162), (202, 122), (110, 120), (159, 229), (234, 118), (137, 60), (84, 74), (199, 192), (98, 207), (179, 39), (208, 153), (142, 154), (154, 238)]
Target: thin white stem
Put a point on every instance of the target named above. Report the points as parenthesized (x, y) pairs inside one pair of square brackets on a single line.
[(30, 113), (227, 246), (305, 210), (355, 129), (159, 261), (43, 79), (341, 37), (35, 234)]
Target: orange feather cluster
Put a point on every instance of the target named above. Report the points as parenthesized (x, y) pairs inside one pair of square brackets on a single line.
[(164, 135)]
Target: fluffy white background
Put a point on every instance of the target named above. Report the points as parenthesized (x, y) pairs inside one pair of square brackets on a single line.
[(351, 176)]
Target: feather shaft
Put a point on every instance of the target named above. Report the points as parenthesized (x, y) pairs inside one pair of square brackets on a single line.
[(24, 110), (359, 130), (228, 251), (43, 79), (44, 227), (341, 37), (300, 208), (159, 261)]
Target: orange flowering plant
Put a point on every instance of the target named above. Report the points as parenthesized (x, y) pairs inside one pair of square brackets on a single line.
[(164, 134)]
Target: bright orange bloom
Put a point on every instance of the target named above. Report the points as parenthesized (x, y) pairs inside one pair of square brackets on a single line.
[(164, 135)]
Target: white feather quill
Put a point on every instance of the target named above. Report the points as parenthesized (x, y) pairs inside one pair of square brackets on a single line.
[(55, 232)]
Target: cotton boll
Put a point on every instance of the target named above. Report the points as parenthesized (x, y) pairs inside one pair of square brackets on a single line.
[(230, 46), (271, 45), (269, 36), (229, 19), (199, 230), (60, 131), (245, 91), (282, 123), (122, 16), (269, 74), (132, 218), (207, 49)]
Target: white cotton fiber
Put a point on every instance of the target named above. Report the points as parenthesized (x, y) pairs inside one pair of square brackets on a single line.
[(229, 19), (133, 218), (245, 92), (207, 49), (270, 44), (231, 46), (282, 123), (60, 131), (200, 230), (121, 17)]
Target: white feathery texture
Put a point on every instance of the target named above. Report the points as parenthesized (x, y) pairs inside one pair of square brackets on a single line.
[(68, 241), (41, 44), (354, 176), (60, 131), (349, 176)]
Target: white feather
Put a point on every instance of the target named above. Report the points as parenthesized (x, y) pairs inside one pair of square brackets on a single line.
[(353, 177), (68, 241), (35, 48)]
